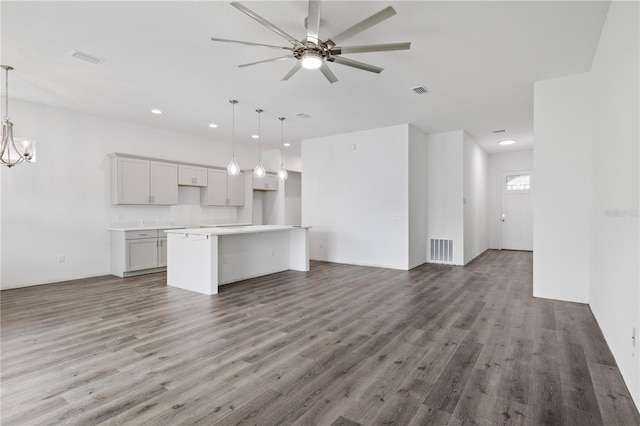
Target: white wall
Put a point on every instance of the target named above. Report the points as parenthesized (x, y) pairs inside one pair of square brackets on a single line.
[(614, 291), (475, 199), (586, 245), (563, 192), (417, 197), (61, 204), (497, 163), (445, 189), (357, 199), (293, 199)]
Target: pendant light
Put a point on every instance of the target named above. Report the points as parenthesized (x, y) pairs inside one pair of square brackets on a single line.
[(282, 172), (259, 171), (233, 169), (10, 152)]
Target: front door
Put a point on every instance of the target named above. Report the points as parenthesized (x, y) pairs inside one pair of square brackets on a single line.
[(517, 216)]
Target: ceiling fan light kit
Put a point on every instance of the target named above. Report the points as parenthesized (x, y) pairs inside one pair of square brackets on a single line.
[(313, 53)]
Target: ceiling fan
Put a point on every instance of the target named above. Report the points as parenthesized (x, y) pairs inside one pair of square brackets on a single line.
[(313, 53)]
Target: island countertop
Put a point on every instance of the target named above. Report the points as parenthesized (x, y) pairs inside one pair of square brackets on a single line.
[(229, 230)]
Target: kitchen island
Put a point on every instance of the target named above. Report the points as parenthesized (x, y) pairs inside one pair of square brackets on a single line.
[(201, 259)]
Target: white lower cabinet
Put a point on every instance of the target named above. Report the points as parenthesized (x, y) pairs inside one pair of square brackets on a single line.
[(138, 252)]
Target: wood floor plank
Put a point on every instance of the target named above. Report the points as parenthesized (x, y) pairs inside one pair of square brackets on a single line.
[(340, 344)]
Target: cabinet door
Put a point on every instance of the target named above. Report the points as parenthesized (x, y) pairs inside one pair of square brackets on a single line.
[(141, 254), (162, 251), (236, 190), (192, 175), (259, 183), (164, 183), (185, 175), (199, 176), (271, 182), (131, 180), (217, 188)]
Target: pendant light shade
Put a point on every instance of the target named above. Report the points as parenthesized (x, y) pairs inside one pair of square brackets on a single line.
[(12, 151), (233, 169), (282, 172), (259, 170)]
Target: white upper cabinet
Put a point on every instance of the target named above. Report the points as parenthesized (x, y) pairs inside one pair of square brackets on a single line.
[(268, 183), (137, 181), (223, 190), (236, 190), (192, 175), (164, 183), (129, 181)]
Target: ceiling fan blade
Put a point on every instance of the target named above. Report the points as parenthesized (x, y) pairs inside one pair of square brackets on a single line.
[(326, 71), (248, 43), (369, 22), (313, 21), (356, 64), (266, 60), (242, 8), (371, 48), (294, 70)]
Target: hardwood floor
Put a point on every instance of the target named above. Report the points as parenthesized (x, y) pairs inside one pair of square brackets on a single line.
[(339, 345)]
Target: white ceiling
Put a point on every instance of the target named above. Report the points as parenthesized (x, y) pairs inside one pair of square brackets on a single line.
[(478, 59)]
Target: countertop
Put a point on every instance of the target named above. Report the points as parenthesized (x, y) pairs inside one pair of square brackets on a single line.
[(144, 227), (234, 230)]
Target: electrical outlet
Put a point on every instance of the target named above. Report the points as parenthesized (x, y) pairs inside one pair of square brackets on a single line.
[(61, 258)]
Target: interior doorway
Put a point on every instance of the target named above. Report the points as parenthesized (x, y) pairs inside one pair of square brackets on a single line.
[(516, 217)]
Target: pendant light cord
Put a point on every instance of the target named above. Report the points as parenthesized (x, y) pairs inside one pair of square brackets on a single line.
[(6, 94), (233, 126), (259, 111), (281, 140)]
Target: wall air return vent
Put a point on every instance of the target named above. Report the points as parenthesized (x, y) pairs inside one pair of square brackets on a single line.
[(441, 250), (86, 57), (420, 90)]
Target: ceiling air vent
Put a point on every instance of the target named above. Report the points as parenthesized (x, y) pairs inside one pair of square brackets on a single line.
[(86, 57), (499, 131), (420, 90)]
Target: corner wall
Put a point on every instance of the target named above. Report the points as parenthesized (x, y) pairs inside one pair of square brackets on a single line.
[(474, 199), (356, 196), (445, 190), (417, 197), (586, 235), (615, 281), (562, 198)]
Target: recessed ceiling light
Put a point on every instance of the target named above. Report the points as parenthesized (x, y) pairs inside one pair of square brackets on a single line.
[(255, 137), (213, 125), (507, 142), (156, 111), (287, 144)]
